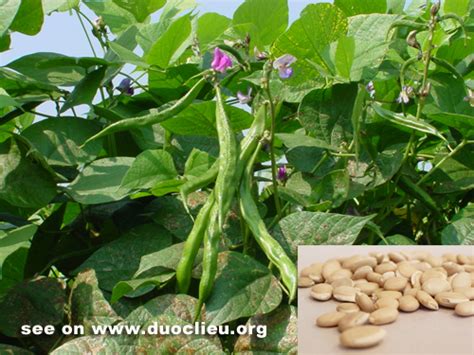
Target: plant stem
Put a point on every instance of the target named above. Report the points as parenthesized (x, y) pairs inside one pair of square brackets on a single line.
[(79, 13), (266, 86), (461, 145), (422, 93)]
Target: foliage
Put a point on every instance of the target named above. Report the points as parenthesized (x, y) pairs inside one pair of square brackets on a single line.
[(352, 125)]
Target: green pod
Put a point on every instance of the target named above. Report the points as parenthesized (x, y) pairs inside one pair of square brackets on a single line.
[(209, 261), (247, 146), (226, 180), (155, 117), (272, 249), (191, 246)]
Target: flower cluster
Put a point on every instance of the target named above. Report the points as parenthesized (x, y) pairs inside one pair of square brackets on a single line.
[(405, 95), (221, 61)]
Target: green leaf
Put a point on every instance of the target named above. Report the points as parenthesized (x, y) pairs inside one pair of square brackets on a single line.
[(13, 240), (50, 6), (369, 33), (13, 269), (29, 18), (54, 68), (458, 7), (407, 121), (165, 187), (120, 259), (44, 242), (85, 91), (171, 44), (243, 288), (199, 119), (356, 7), (397, 239), (41, 302), (170, 213), (326, 113), (115, 17), (344, 56), (141, 9), (139, 286), (149, 33), (459, 232), (463, 123), (318, 228), (210, 27), (161, 262), (172, 310), (282, 337), (100, 181), (24, 182), (59, 140), (182, 306), (16, 84), (308, 37), (197, 163), (149, 168), (5, 42), (262, 20), (9, 10), (10, 349), (447, 95), (6, 100), (456, 173), (88, 305), (127, 56)]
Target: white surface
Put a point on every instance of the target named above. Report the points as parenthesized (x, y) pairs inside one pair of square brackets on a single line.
[(422, 332)]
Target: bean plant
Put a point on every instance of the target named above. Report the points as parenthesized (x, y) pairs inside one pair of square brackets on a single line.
[(171, 175)]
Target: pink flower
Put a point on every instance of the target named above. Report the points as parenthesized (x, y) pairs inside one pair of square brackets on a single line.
[(221, 61)]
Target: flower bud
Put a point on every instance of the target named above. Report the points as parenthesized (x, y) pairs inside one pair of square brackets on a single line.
[(434, 9), (99, 23), (411, 40)]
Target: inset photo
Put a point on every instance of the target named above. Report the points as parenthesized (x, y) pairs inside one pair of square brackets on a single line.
[(386, 300)]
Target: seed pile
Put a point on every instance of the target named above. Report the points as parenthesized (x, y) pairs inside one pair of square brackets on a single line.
[(373, 289)]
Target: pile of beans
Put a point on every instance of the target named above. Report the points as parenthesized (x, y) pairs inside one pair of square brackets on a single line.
[(373, 289)]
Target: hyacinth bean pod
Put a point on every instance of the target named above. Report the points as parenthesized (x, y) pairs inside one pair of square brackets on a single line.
[(247, 146), (273, 250), (209, 261), (191, 246), (155, 117), (228, 158)]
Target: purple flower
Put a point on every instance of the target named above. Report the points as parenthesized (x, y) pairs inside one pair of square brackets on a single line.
[(370, 89), (281, 174), (244, 98), (221, 61), (405, 95), (282, 64), (125, 87)]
